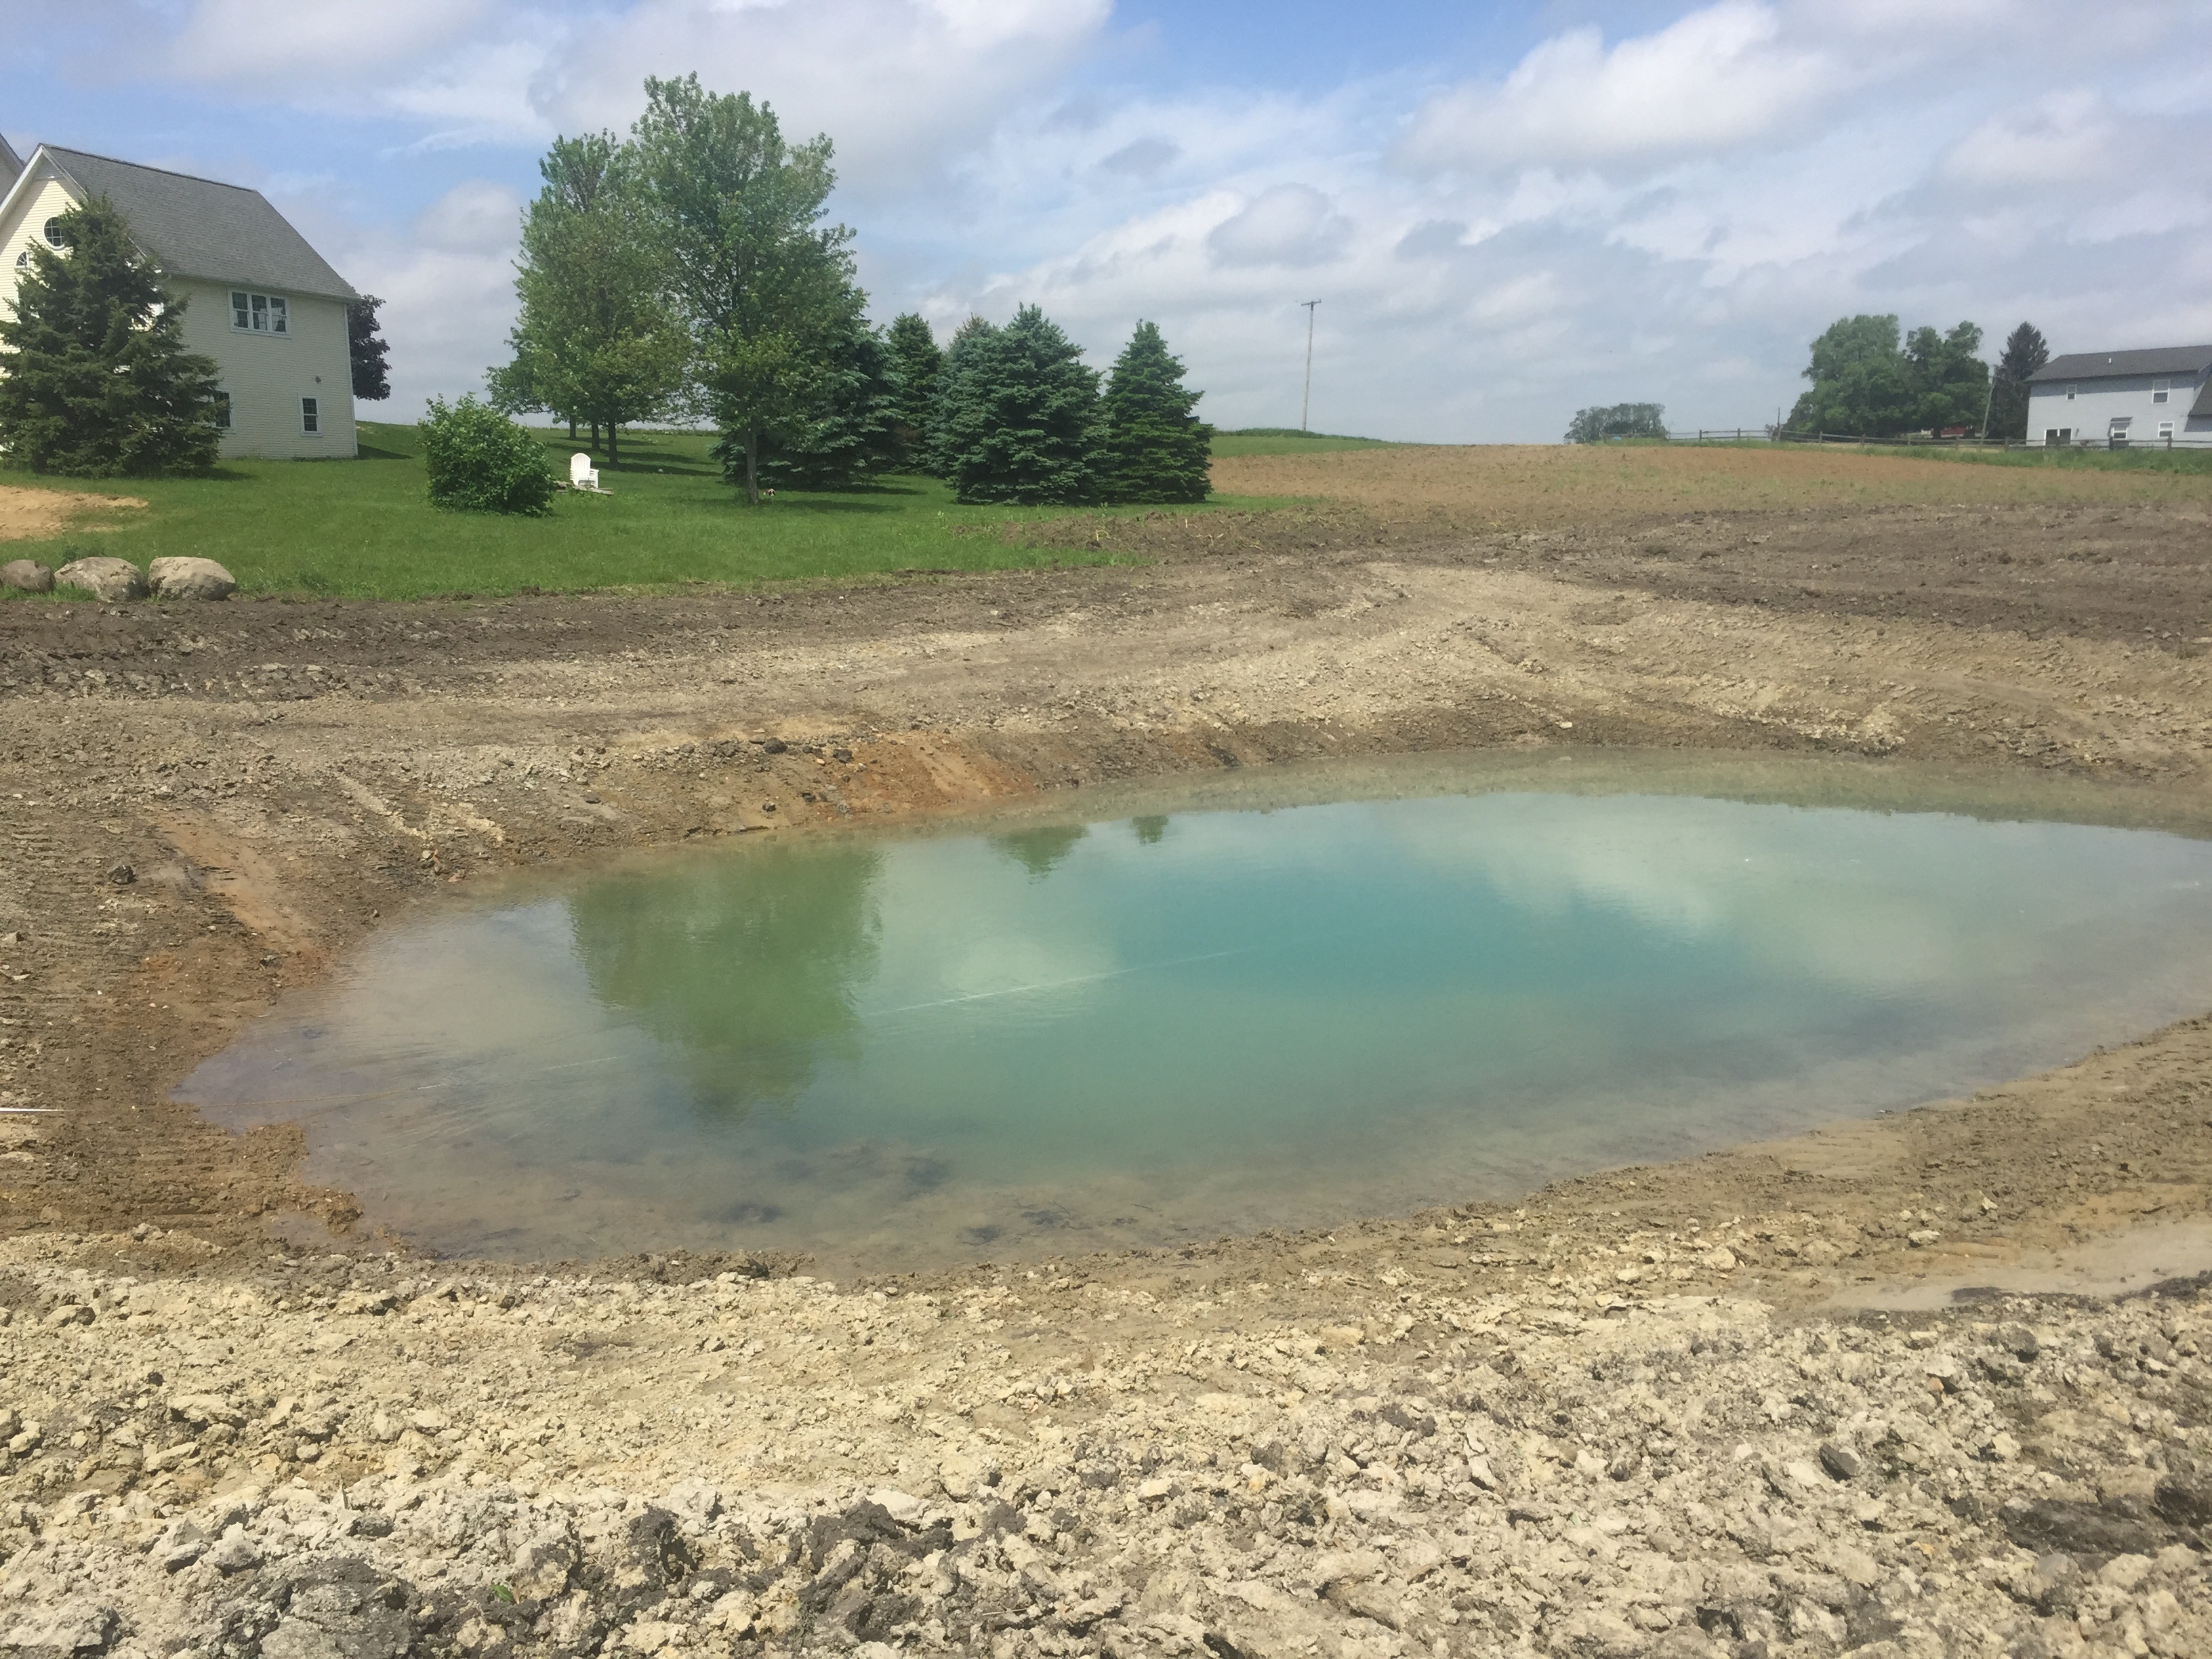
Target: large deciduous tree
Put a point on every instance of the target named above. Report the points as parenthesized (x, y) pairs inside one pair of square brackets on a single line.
[(1018, 417), (1157, 451), (595, 341), (1949, 381), (370, 351), (1868, 382), (763, 283), (97, 383), (1601, 423), (2025, 351)]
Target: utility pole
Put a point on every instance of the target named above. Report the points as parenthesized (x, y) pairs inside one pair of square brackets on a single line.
[(1306, 406)]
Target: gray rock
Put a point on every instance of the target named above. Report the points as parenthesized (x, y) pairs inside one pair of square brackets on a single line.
[(79, 1625), (27, 575), (109, 580), (190, 579), (1839, 1459), (184, 1543), (234, 1553), (2184, 1499)]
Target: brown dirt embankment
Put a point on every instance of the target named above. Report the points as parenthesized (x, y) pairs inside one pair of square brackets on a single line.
[(278, 776), (1622, 1417)]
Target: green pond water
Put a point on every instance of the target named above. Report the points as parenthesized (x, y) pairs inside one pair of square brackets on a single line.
[(907, 1049)]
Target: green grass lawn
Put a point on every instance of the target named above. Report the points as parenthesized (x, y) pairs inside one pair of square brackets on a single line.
[(1288, 441), (366, 529)]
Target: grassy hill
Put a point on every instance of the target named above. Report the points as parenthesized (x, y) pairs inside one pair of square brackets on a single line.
[(1288, 441)]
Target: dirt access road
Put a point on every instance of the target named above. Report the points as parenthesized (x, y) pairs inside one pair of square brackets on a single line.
[(203, 806)]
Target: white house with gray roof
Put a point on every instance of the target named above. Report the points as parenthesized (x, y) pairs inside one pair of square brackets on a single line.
[(2155, 396), (257, 298)]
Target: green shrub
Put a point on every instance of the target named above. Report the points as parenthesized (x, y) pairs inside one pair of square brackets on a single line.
[(479, 461)]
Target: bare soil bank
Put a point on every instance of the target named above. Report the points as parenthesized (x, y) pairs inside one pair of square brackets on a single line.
[(204, 805)]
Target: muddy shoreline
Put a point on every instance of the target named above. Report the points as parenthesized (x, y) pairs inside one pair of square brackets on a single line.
[(205, 807)]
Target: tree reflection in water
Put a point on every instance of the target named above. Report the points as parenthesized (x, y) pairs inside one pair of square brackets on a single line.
[(747, 966), (1038, 850)]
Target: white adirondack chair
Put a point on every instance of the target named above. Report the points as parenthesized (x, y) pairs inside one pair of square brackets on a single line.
[(582, 475)]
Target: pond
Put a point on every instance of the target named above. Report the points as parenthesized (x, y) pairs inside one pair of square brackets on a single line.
[(1199, 1015)]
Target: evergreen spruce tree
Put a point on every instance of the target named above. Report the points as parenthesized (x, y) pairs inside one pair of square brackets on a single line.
[(2025, 351), (936, 460), (851, 432), (915, 364), (97, 383), (1157, 451), (1018, 418), (370, 351)]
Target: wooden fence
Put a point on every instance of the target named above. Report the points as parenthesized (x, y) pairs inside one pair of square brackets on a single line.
[(1922, 440)]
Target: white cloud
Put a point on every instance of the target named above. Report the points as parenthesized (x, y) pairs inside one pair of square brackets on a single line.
[(1291, 225), (476, 216), (1715, 78), (271, 43), (900, 84), (2065, 137)]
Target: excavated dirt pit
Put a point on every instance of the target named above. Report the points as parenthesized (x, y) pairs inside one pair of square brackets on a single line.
[(1633, 1412)]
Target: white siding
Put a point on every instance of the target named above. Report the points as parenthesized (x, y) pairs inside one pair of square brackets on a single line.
[(27, 225), (266, 376), (2098, 403)]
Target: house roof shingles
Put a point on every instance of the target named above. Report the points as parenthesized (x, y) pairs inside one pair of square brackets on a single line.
[(2191, 360), (197, 227), (11, 165)]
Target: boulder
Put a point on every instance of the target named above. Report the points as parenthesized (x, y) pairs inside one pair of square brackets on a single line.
[(110, 580), (190, 579), (28, 574)]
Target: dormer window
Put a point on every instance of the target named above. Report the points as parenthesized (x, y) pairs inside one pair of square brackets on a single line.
[(259, 314)]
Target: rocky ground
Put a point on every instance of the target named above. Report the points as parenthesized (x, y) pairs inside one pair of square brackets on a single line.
[(1371, 1451), (1635, 1413)]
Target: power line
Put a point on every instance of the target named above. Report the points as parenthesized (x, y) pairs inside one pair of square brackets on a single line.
[(1305, 404)]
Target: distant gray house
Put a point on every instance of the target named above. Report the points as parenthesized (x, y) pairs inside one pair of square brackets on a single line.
[(2154, 396)]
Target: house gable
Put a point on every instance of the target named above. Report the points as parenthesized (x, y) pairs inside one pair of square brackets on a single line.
[(288, 390)]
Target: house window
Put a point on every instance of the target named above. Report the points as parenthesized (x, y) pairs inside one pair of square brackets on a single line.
[(2166, 431), (53, 234), (311, 415), (2070, 390), (2161, 389), (222, 411), (2058, 434), (259, 313)]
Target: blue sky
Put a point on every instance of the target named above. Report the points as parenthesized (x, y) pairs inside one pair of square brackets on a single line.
[(1507, 211)]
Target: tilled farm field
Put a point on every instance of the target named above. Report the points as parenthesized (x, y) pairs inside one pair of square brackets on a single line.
[(1728, 1407)]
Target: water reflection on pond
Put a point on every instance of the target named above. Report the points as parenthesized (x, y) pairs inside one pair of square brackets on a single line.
[(914, 1048)]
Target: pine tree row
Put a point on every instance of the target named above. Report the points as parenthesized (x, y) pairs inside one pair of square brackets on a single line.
[(1012, 414)]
